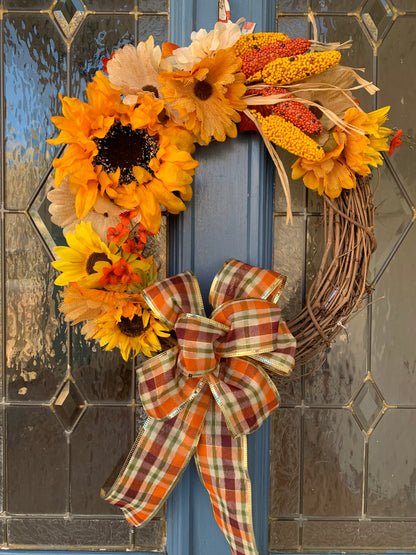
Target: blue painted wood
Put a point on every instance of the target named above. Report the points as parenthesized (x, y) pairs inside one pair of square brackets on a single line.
[(230, 216)]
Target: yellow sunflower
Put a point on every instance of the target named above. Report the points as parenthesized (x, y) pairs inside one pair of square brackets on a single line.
[(209, 96), (133, 329), (77, 261), (363, 150), (329, 175), (114, 148), (92, 264)]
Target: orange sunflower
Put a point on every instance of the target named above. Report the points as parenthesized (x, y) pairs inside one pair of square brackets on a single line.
[(329, 175), (114, 149), (209, 96)]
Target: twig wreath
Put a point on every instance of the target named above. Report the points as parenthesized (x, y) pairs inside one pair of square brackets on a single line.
[(129, 152)]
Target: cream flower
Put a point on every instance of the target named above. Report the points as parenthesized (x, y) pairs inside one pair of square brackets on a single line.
[(205, 45), (134, 70), (103, 215)]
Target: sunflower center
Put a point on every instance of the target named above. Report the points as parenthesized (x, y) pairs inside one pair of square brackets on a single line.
[(124, 148), (131, 328), (93, 258), (203, 90)]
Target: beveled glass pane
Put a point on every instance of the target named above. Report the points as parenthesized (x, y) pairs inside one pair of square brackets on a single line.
[(367, 406), (36, 333), (391, 463), (335, 5), (361, 535), (344, 369), (109, 5), (288, 260), (153, 5), (102, 438), (102, 375), (292, 5), (38, 486), (98, 37), (284, 462), (377, 16), (152, 536), (35, 66), (283, 535), (69, 405), (392, 216), (157, 26), (396, 57), (27, 4), (297, 188), (68, 533), (405, 5), (69, 15), (337, 28), (333, 463), (293, 26), (393, 351)]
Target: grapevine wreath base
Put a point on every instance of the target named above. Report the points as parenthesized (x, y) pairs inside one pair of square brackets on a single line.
[(129, 153), (341, 281)]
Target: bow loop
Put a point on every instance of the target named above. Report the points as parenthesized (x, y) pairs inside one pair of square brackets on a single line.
[(253, 327), (175, 296), (237, 280)]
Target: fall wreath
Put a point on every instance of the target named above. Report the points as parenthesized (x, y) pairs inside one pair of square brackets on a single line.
[(130, 152)]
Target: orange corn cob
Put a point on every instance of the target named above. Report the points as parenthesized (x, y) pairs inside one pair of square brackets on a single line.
[(286, 135), (290, 110), (284, 71), (255, 59), (257, 40)]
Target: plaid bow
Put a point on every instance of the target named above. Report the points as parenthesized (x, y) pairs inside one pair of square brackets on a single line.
[(204, 395)]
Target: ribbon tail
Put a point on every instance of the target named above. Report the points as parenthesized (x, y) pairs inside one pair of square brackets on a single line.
[(157, 460), (221, 461)]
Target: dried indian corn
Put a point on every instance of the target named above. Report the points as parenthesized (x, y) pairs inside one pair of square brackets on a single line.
[(255, 59), (286, 135), (290, 110), (257, 40), (283, 71)]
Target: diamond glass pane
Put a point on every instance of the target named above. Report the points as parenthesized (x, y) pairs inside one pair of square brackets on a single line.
[(367, 406)]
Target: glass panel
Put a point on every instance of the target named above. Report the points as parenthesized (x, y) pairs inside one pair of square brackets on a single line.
[(351, 438), (153, 25), (391, 463), (345, 369), (101, 439), (68, 403), (333, 463), (393, 353), (284, 535), (335, 5), (97, 38), (153, 5), (35, 66), (109, 5), (42, 486), (68, 533), (284, 463), (102, 375), (292, 5), (363, 535), (35, 333)]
